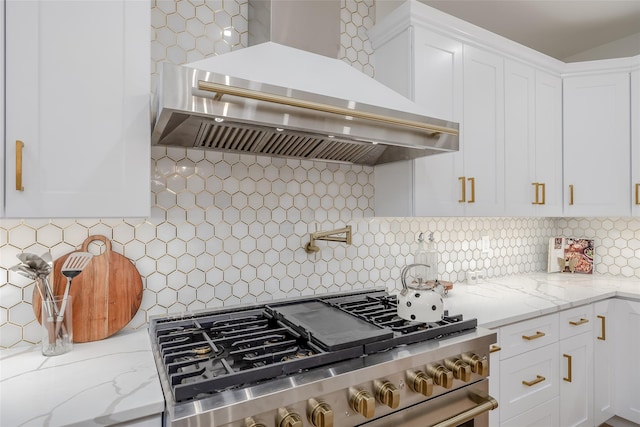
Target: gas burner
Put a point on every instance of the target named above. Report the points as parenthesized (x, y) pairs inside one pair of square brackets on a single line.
[(207, 353)]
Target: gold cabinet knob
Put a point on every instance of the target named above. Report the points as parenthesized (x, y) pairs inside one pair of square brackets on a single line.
[(387, 394), (320, 413), (286, 418), (250, 422), (460, 370), (420, 383), (441, 375), (479, 365), (362, 402)]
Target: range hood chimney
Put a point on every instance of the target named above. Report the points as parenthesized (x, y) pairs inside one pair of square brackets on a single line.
[(310, 25), (277, 98)]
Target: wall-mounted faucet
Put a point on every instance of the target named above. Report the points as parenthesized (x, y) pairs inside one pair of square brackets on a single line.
[(329, 236)]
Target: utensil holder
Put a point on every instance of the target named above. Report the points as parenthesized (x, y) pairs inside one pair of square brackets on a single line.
[(57, 326)]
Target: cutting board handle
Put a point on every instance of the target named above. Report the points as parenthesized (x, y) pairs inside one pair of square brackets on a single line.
[(103, 239)]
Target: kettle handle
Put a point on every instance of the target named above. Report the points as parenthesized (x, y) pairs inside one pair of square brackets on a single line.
[(403, 275)]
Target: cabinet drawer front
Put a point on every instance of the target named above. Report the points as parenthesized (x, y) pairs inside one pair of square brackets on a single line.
[(528, 335), (545, 415), (528, 380), (576, 321)]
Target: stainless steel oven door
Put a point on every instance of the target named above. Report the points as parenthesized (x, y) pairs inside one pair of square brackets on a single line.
[(465, 407)]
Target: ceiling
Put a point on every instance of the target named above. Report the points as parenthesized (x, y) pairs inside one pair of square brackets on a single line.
[(559, 29)]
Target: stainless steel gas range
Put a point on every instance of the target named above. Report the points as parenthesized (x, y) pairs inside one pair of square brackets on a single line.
[(337, 360)]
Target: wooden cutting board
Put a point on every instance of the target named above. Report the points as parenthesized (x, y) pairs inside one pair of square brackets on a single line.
[(106, 294)]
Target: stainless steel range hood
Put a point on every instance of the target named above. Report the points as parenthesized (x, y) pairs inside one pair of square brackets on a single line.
[(272, 99)]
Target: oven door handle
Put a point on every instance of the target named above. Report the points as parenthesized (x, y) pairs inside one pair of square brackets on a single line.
[(485, 403)]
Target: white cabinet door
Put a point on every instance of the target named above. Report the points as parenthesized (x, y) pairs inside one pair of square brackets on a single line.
[(520, 153), (548, 144), (528, 380), (545, 415), (604, 361), (439, 87), (627, 333), (635, 141), (576, 385), (481, 187), (596, 151), (427, 68), (533, 141), (77, 96)]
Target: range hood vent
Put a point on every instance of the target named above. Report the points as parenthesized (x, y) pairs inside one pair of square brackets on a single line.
[(275, 100)]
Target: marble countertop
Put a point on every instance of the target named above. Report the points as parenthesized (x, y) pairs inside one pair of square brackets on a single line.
[(500, 301), (115, 380), (95, 384)]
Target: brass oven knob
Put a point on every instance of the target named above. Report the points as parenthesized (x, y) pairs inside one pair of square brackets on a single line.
[(420, 383), (362, 402), (461, 370), (320, 413), (479, 365), (387, 394), (441, 375), (250, 422), (287, 418)]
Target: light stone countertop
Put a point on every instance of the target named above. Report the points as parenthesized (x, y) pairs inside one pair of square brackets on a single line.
[(115, 380), (500, 301), (95, 384)]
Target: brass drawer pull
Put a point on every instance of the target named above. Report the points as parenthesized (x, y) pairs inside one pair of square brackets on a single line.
[(568, 377), (539, 200), (473, 190), (637, 194), (571, 194), (537, 335), (539, 379), (19, 147), (603, 334), (579, 322), (494, 348), (463, 189)]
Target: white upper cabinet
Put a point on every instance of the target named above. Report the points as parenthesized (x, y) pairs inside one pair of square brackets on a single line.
[(457, 72), (635, 142), (533, 141), (596, 152), (481, 185), (426, 67), (77, 99)]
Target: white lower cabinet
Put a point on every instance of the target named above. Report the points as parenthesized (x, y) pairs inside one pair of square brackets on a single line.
[(604, 380), (627, 375), (576, 384), (572, 368), (528, 380), (545, 415)]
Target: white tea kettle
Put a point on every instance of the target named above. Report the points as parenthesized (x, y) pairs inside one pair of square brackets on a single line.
[(420, 303)]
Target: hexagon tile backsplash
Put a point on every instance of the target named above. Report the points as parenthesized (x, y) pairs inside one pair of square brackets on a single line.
[(228, 229)]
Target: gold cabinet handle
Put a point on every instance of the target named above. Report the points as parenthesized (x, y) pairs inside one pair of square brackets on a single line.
[(542, 202), (569, 369), (19, 147), (536, 185), (539, 379), (537, 335), (463, 189), (494, 348), (603, 332), (637, 194), (570, 194), (472, 181), (578, 322)]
